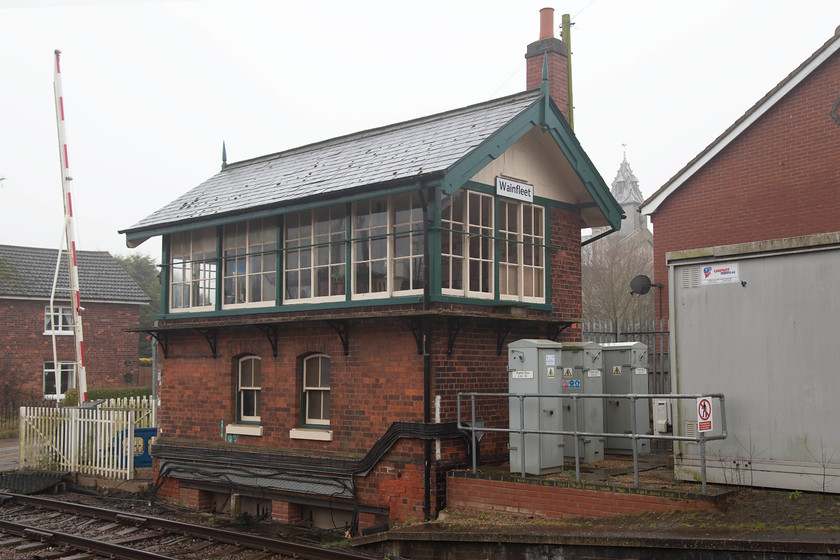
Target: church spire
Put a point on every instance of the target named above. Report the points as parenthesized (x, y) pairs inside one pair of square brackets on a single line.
[(625, 186)]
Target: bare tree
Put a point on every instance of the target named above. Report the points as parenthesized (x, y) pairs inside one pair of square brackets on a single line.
[(607, 267), (11, 383)]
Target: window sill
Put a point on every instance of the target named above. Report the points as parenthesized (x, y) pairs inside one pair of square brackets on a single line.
[(243, 430), (58, 333), (311, 434)]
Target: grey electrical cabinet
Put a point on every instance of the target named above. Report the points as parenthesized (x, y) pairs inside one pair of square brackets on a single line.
[(534, 368), (582, 372), (625, 372)]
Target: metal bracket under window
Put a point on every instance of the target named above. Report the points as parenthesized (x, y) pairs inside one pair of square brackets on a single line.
[(270, 331), (503, 329), (419, 328), (554, 329), (210, 336), (454, 326), (342, 328), (162, 340)]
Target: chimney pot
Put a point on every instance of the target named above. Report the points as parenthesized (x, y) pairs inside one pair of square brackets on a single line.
[(547, 23)]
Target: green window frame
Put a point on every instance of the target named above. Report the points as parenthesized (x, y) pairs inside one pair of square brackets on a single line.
[(250, 263), (316, 390), (192, 274), (315, 247), (249, 389)]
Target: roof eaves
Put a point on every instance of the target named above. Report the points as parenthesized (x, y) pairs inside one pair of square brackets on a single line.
[(136, 236), (652, 203), (545, 114), (492, 147)]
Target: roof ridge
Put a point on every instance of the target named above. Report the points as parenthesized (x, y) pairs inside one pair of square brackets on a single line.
[(350, 137)]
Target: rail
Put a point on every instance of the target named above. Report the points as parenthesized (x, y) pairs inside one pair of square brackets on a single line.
[(115, 538), (634, 434)]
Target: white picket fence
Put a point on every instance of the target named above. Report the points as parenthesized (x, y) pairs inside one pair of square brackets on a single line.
[(144, 407), (94, 441)]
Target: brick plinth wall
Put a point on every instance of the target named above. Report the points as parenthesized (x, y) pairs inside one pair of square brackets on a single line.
[(561, 500), (285, 512)]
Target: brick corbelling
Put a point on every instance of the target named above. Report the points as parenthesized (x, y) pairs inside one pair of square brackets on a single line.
[(557, 501)]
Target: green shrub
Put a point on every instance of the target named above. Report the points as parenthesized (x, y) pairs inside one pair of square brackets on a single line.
[(71, 397)]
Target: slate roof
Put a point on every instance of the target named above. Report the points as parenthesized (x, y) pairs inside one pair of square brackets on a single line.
[(28, 272), (420, 147)]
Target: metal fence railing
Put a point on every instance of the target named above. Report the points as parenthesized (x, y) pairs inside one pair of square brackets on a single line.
[(652, 332), (475, 427)]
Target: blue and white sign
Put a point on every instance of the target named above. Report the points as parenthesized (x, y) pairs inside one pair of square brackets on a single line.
[(514, 189), (719, 273)]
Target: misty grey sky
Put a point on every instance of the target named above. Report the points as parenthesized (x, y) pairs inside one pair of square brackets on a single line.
[(152, 88)]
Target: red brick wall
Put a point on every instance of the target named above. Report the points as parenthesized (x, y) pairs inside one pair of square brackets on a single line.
[(110, 353), (780, 178), (557, 501), (381, 381), (566, 299)]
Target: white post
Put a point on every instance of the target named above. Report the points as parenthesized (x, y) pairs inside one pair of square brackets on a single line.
[(72, 264)]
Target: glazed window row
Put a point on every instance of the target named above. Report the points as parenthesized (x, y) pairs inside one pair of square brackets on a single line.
[(370, 249)]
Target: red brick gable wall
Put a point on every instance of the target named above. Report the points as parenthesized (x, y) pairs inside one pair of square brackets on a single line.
[(110, 353), (780, 178)]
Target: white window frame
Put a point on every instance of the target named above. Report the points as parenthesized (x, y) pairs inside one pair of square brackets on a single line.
[(521, 252), (401, 236), (249, 264), (477, 244), (243, 389), (370, 237), (64, 314), (318, 258), (50, 369), (193, 269), (409, 235), (323, 389)]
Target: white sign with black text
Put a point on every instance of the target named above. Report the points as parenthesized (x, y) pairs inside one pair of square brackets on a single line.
[(514, 189)]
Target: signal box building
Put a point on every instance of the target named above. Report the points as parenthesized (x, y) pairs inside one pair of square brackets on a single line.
[(324, 305)]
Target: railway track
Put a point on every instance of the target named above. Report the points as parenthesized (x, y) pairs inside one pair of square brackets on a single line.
[(41, 528)]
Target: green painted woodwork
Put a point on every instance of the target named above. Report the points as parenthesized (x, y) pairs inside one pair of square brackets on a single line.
[(545, 115)]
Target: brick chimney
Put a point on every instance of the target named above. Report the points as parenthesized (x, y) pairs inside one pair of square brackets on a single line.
[(555, 49)]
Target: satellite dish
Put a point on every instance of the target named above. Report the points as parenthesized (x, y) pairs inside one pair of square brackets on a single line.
[(640, 285)]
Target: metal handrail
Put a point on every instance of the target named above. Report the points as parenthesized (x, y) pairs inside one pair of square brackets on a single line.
[(701, 438)]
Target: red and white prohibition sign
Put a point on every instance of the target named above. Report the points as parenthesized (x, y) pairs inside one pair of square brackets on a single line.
[(704, 414)]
